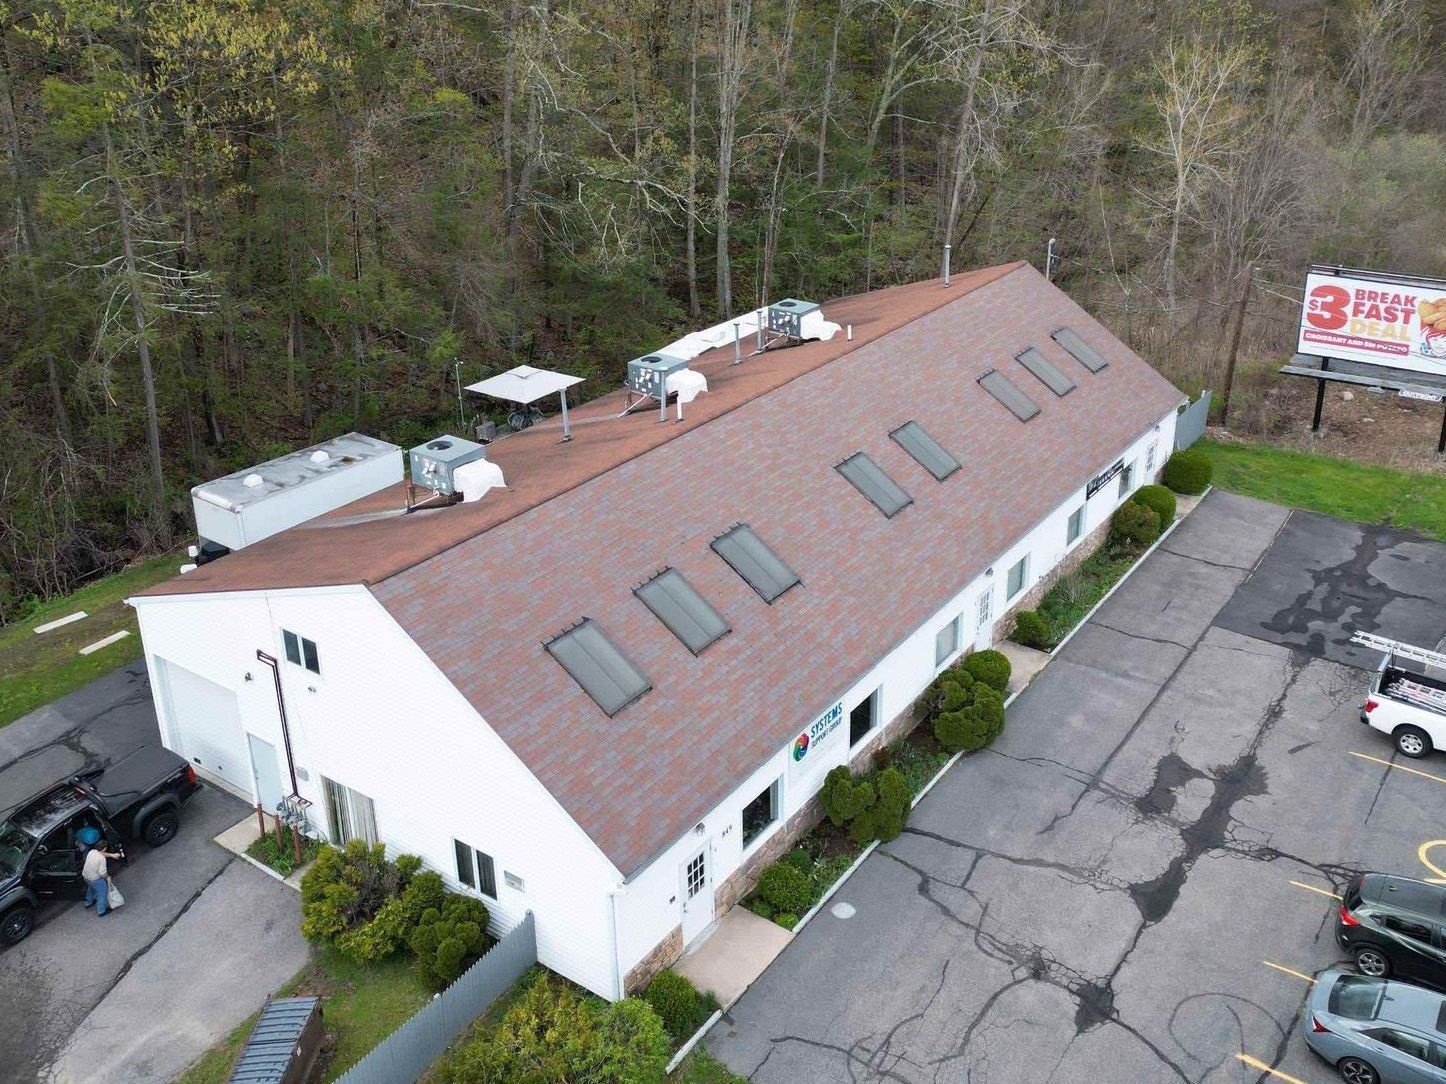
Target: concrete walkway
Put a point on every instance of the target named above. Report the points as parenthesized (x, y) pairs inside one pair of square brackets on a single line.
[(736, 953), (214, 966)]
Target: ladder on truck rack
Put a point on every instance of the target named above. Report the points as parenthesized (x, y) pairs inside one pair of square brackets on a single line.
[(1403, 650)]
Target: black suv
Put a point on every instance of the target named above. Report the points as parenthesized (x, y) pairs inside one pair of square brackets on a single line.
[(1395, 927), (138, 797)]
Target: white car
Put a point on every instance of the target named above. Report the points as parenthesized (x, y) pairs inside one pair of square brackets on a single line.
[(1408, 695)]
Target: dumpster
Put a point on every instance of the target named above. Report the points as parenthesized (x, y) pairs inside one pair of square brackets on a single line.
[(283, 1046)]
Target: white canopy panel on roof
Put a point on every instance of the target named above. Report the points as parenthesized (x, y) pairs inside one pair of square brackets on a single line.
[(524, 384)]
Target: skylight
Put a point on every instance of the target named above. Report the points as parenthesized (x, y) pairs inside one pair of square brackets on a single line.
[(1043, 368), (685, 612), (596, 664), (1082, 351), (1004, 390), (930, 454), (761, 568), (870, 480)]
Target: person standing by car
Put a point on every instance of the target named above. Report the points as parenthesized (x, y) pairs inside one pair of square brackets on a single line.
[(95, 871)]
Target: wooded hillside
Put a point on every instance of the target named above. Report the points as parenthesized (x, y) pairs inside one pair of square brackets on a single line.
[(231, 227)]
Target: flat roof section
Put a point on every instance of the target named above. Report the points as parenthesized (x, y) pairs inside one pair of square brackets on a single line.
[(292, 470)]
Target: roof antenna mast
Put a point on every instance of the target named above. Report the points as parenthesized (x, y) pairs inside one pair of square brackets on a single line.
[(946, 264)]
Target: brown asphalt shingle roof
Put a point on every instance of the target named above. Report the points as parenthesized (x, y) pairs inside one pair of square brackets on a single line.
[(481, 587)]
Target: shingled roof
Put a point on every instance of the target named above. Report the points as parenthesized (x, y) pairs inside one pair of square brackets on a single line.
[(482, 587)]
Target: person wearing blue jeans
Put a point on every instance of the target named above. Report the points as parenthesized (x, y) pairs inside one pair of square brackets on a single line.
[(97, 892), (95, 871)]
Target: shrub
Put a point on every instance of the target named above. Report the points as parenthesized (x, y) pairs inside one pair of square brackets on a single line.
[(1160, 499), (759, 906), (787, 920), (344, 889), (677, 1003), (448, 938), (785, 888), (990, 667), (396, 922), (1032, 630), (844, 797), (1134, 524), (1188, 472), (973, 725), (554, 1034), (800, 859), (885, 818)]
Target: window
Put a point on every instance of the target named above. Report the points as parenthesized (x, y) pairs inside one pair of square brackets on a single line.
[(1004, 390), (1015, 582), (1127, 479), (761, 568), (475, 869), (603, 671), (1409, 927), (1080, 350), (1410, 1045), (946, 641), (685, 612), (870, 480), (1044, 369), (301, 651), (1150, 453), (350, 815), (863, 717), (986, 607), (760, 813), (1356, 997), (929, 453), (1076, 526), (695, 876)]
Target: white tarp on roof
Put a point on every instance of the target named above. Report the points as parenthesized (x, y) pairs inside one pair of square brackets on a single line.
[(813, 326), (687, 384), (524, 384)]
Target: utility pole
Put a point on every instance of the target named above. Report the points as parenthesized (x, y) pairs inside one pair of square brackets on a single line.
[(1235, 345)]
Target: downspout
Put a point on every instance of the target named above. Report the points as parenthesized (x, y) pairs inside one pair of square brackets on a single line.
[(613, 894), (270, 660)]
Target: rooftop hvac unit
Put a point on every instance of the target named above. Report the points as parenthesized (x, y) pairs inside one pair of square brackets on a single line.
[(435, 463), (648, 375), (786, 317)]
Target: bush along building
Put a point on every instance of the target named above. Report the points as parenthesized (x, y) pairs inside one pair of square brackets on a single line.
[(601, 675)]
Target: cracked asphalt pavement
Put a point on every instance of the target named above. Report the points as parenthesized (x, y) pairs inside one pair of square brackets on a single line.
[(202, 940), (1095, 897)]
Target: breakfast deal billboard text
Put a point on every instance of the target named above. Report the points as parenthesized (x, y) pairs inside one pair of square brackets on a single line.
[(1389, 321)]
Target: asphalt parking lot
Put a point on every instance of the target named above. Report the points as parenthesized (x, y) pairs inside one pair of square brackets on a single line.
[(1134, 884), (203, 937)]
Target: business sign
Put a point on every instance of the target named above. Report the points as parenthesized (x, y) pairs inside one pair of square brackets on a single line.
[(805, 755), (1375, 318), (1424, 396), (1099, 481)]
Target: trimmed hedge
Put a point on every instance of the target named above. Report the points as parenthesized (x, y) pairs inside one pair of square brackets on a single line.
[(677, 1003), (1134, 524), (845, 797), (988, 666), (784, 888), (1188, 472), (448, 939), (1032, 630), (885, 818), (1160, 499), (967, 714)]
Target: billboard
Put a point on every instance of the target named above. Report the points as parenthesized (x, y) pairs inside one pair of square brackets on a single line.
[(1376, 318)]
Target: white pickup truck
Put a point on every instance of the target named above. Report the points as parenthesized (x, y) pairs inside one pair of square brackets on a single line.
[(1408, 696)]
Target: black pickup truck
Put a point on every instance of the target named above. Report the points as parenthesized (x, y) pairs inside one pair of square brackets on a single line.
[(137, 797)]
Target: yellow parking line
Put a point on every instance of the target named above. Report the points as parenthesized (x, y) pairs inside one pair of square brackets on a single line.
[(1400, 767), (1256, 1063), (1313, 888), (1289, 971)]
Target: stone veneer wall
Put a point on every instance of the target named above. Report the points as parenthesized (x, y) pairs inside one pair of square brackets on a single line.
[(741, 881)]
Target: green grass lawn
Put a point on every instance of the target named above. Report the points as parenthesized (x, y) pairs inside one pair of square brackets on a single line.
[(1334, 487), (700, 1067), (36, 669), (361, 1003)]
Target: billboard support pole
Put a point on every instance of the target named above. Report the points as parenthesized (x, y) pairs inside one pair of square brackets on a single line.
[(1441, 444), (1325, 364)]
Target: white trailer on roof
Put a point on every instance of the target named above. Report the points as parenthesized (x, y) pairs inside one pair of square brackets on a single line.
[(1408, 695), (249, 505)]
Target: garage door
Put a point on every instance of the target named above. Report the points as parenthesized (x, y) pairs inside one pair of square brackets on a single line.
[(206, 721)]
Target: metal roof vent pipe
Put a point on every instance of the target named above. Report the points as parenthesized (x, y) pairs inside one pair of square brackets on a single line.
[(851, 333), (946, 264)]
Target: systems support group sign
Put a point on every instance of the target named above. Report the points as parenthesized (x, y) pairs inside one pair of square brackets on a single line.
[(808, 752), (1385, 320)]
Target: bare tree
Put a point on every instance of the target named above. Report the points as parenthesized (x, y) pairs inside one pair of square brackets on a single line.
[(1390, 50)]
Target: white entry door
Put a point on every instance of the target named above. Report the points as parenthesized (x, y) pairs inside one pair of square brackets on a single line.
[(266, 772), (697, 874), (984, 622)]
